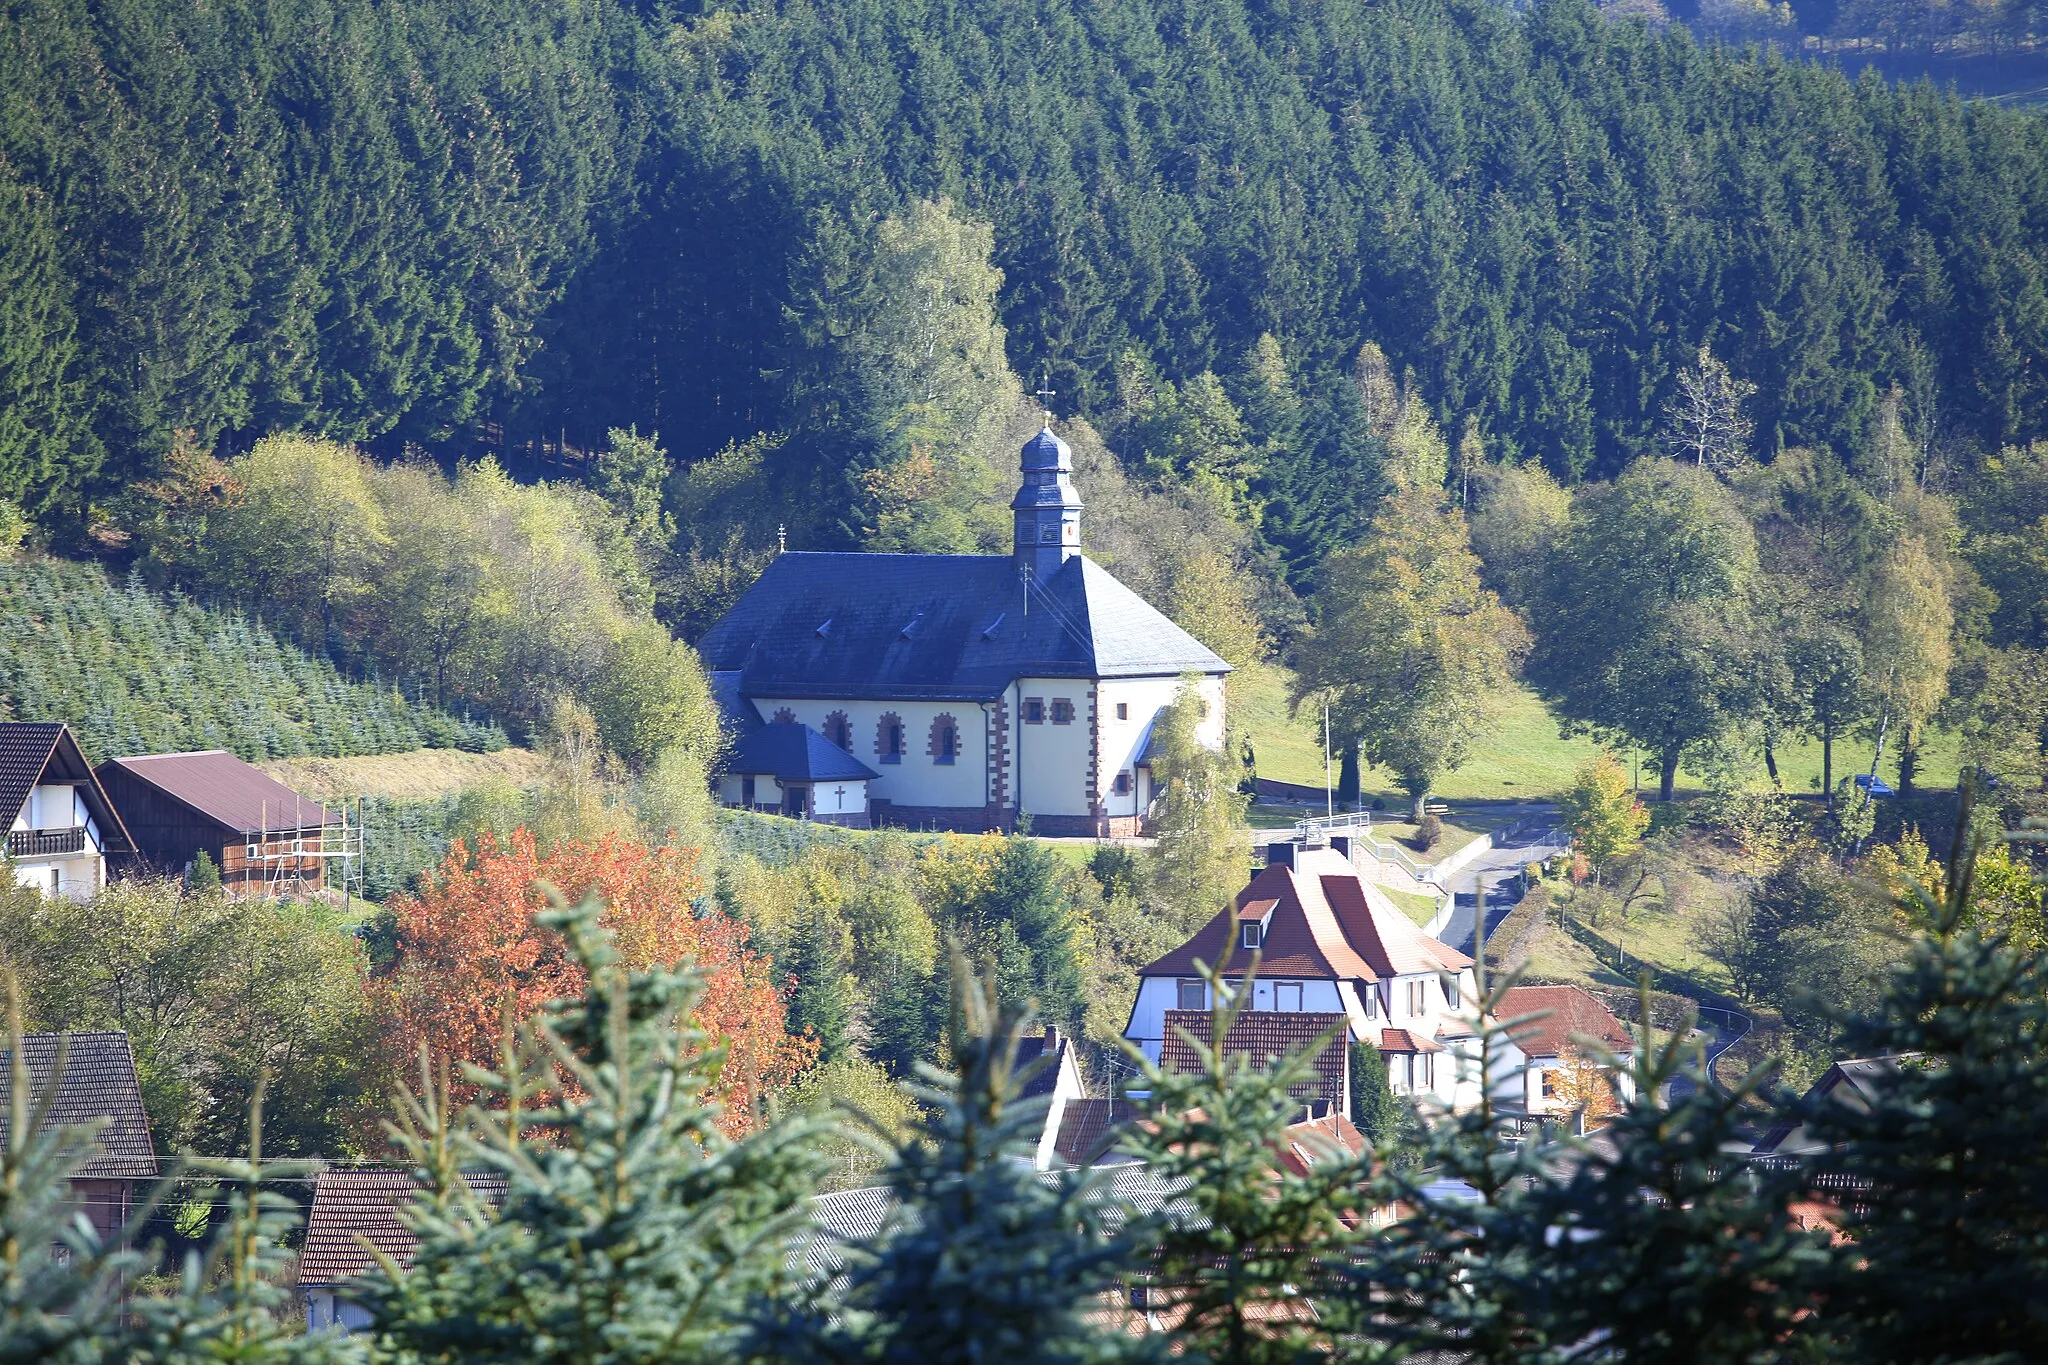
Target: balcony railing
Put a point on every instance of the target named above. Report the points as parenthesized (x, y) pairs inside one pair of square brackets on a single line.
[(45, 843)]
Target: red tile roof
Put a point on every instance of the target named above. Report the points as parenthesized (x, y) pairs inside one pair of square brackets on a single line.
[(1084, 1123), (1404, 1040), (1264, 1035), (1563, 1013), (98, 1083), (354, 1205), (1326, 922), (226, 790)]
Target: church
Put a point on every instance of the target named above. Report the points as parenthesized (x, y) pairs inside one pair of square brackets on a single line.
[(958, 692)]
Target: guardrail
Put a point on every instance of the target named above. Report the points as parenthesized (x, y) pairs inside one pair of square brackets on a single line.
[(45, 843)]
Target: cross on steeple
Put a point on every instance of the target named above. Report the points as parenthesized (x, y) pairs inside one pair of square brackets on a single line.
[(1045, 397)]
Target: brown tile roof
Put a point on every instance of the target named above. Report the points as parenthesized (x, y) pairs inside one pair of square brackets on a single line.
[(357, 1204), (226, 790), (1566, 1012), (1084, 1123), (1264, 1035), (1404, 1040), (27, 751), (1326, 923), (98, 1083), (1312, 1141)]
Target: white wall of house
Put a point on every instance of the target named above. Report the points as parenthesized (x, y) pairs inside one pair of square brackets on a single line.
[(919, 779), (59, 806), (1158, 994), (1066, 1086)]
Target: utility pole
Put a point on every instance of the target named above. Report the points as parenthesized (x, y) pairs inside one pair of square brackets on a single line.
[(1329, 790)]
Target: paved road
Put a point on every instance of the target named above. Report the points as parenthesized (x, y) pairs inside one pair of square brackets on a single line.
[(1535, 839), (1725, 1028)]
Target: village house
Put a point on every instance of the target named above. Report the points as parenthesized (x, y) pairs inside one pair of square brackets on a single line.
[(1559, 1028), (97, 1085), (1333, 945), (355, 1209), (972, 690), (61, 827), (263, 837), (1855, 1084)]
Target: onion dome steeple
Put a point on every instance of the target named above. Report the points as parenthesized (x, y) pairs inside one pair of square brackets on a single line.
[(1048, 510)]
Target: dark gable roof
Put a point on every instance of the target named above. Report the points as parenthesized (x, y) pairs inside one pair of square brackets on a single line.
[(27, 750), (226, 790), (1029, 1050), (795, 753), (938, 626), (98, 1083), (353, 1205)]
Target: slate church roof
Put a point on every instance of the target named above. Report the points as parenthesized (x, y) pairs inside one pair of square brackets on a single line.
[(794, 753), (940, 627)]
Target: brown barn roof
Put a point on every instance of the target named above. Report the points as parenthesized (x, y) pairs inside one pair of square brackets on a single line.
[(27, 751), (1264, 1035), (357, 1204), (226, 790), (98, 1082), (1566, 1012), (1325, 921)]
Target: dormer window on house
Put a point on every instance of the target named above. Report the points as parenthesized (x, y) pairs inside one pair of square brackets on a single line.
[(1253, 934), (1451, 996), (1252, 918), (1418, 997)]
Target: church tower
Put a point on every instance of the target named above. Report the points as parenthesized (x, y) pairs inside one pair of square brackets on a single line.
[(1047, 508)]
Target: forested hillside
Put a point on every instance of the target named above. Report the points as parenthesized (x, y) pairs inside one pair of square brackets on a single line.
[(467, 220)]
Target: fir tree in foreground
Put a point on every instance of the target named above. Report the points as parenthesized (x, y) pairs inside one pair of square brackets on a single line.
[(983, 1258), (632, 1228)]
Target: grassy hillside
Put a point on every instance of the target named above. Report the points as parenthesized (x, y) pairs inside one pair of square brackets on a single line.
[(1525, 758), (421, 775), (133, 671)]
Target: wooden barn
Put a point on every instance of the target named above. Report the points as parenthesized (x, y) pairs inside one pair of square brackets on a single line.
[(264, 837), (98, 1083)]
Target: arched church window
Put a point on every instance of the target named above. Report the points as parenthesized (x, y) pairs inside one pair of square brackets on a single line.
[(889, 738), (945, 740), (839, 730)]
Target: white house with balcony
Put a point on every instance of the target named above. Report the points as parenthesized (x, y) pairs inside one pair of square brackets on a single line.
[(971, 690), (61, 828), (1330, 943)]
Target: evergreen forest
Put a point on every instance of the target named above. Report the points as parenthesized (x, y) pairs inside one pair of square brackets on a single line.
[(477, 226)]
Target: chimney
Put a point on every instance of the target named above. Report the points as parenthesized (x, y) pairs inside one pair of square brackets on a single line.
[(1341, 844), (1052, 1040), (1280, 854)]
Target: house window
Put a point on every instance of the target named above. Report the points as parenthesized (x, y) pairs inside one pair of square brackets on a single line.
[(1549, 1084), (945, 741), (1254, 933), (1429, 1071), (889, 738), (1122, 786), (1415, 997), (1451, 996), (1034, 710), (1193, 996), (839, 730), (1123, 710), (1372, 1002), (747, 792), (1409, 1068), (1287, 997), (1062, 711), (784, 716)]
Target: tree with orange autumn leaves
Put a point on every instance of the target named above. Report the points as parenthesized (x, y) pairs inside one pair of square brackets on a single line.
[(469, 946)]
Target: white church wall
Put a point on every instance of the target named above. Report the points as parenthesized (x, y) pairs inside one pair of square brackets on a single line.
[(1052, 757), (919, 779), (1123, 736)]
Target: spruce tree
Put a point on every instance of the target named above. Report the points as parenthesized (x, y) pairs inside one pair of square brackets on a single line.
[(982, 1257), (633, 1228)]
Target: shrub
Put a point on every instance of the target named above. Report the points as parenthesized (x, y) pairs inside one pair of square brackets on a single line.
[(1428, 834)]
